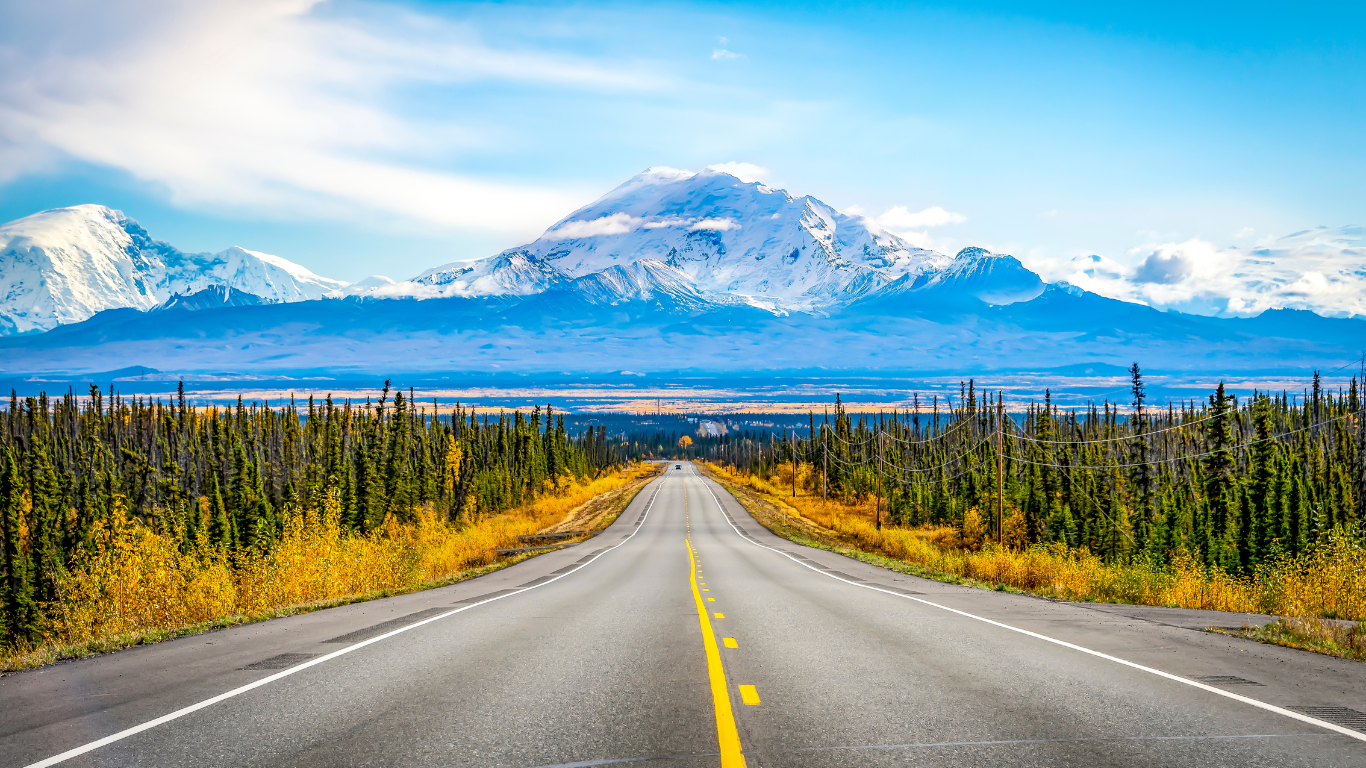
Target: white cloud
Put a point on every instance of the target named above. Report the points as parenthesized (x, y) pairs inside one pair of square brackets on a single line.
[(898, 217), (746, 172), (715, 225), (265, 106), (614, 224), (1244, 233), (1323, 270), (723, 54), (914, 228)]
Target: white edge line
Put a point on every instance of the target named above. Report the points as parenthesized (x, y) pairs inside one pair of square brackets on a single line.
[(1177, 678), (179, 713)]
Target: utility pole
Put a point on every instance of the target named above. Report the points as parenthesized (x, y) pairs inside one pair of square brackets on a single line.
[(1360, 417), (792, 442), (880, 470), (1000, 466), (825, 461)]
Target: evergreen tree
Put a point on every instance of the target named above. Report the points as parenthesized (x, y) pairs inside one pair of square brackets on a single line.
[(1218, 486)]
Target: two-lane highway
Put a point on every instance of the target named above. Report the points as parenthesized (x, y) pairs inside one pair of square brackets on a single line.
[(688, 635)]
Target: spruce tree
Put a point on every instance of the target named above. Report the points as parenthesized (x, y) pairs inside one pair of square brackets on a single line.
[(1218, 485), (220, 525), (17, 610)]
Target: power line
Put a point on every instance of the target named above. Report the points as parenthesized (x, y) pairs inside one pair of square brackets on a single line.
[(956, 425), (1190, 456), (1182, 425)]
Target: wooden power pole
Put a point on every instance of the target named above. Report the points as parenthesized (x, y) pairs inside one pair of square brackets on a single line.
[(880, 471), (825, 462), (792, 443), (1000, 466)]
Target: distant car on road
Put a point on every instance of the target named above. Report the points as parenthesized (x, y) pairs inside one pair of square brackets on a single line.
[(678, 466)]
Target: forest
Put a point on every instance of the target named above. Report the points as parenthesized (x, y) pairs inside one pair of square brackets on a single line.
[(122, 514), (226, 484), (1233, 483)]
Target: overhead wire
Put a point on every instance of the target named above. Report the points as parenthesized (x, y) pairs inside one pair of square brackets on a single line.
[(1189, 456), (1182, 425), (956, 426), (899, 472)]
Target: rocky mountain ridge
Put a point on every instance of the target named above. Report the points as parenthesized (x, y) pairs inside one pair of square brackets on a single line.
[(690, 239), (66, 264), (732, 239)]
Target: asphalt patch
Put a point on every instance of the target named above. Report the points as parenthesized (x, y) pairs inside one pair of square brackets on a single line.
[(386, 626), (1223, 680), (481, 598), (283, 661)]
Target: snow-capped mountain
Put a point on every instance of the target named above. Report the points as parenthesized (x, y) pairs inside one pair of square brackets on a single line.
[(975, 273), (213, 297), (513, 273), (64, 265), (647, 280), (729, 237)]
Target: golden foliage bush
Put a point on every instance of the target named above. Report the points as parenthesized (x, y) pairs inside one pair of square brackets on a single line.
[(1329, 581), (133, 578)]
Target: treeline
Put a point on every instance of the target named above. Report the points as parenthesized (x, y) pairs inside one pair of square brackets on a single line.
[(229, 476), (1235, 483)]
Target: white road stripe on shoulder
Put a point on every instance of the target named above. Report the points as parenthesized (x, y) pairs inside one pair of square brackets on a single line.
[(179, 713), (1098, 654)]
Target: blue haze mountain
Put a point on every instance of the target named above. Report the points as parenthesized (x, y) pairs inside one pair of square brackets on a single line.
[(672, 271)]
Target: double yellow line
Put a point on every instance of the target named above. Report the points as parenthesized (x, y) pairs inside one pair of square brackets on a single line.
[(727, 736)]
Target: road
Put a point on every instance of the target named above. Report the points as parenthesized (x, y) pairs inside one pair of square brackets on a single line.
[(687, 635)]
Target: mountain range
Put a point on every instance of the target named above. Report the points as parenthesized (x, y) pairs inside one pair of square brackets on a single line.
[(671, 271)]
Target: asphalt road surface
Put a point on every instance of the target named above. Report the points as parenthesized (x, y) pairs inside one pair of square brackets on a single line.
[(687, 635)]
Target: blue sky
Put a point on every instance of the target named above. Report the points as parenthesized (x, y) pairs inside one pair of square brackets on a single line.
[(360, 138)]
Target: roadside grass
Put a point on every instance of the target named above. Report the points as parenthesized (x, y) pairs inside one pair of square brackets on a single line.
[(137, 586), (1346, 640), (775, 514), (1329, 582)]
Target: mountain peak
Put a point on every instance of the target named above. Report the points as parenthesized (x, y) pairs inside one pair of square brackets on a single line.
[(65, 264), (212, 297), (729, 237)]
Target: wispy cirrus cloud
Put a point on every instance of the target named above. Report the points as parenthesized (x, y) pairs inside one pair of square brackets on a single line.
[(270, 105)]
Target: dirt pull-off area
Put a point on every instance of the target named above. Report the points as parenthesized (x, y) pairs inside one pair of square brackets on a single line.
[(599, 512)]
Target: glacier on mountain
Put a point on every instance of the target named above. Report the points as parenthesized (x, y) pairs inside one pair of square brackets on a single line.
[(66, 264), (672, 271), (729, 237), (680, 239)]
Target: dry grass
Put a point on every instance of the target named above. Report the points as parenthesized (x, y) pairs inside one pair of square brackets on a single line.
[(138, 585), (1346, 640), (1330, 582), (600, 510)]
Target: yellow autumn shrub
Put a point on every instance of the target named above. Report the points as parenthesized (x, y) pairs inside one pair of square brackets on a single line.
[(134, 578), (1329, 581)]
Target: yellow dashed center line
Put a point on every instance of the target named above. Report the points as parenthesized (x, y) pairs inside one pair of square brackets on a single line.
[(749, 695), (720, 615), (727, 736), (729, 642)]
